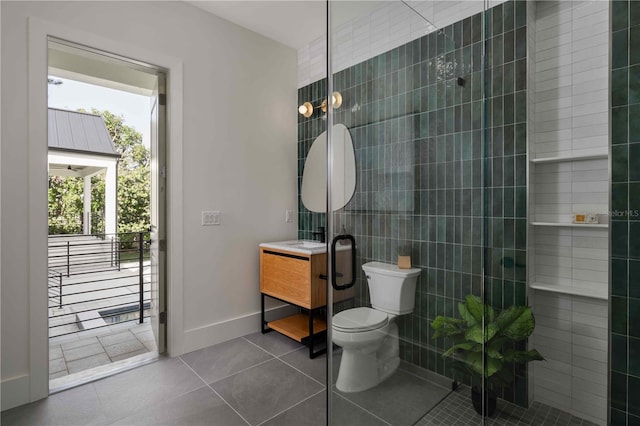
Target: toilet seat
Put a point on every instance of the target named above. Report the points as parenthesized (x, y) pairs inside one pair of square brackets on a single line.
[(358, 320)]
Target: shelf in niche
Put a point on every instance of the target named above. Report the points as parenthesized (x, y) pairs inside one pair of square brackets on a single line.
[(571, 225), (574, 291), (570, 158)]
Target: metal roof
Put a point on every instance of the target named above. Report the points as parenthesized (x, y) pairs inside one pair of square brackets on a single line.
[(79, 132)]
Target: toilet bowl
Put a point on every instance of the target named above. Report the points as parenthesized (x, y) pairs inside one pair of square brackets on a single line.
[(369, 336)]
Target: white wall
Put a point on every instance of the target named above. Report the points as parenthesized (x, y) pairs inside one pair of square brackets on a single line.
[(237, 154)]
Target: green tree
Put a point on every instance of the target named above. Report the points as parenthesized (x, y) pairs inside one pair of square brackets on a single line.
[(65, 205), (134, 184)]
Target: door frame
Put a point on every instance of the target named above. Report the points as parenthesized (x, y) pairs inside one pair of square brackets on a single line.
[(39, 31)]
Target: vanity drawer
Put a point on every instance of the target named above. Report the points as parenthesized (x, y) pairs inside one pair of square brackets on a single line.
[(286, 277)]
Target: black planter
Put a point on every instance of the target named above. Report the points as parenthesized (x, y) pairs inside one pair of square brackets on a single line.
[(490, 401)]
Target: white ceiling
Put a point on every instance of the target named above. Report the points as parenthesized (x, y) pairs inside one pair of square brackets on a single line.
[(294, 23)]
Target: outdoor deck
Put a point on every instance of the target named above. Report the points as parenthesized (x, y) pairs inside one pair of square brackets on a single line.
[(94, 306), (86, 295)]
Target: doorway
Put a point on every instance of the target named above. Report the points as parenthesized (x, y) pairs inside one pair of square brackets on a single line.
[(106, 263)]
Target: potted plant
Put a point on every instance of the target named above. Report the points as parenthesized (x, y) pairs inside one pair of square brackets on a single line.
[(484, 345)]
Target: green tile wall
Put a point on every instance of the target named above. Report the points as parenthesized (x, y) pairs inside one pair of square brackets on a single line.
[(625, 217), (428, 169)]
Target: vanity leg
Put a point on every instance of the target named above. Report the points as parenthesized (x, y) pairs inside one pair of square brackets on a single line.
[(312, 353), (311, 339), (263, 323)]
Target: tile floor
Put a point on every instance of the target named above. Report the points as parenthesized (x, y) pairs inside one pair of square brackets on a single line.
[(254, 380)]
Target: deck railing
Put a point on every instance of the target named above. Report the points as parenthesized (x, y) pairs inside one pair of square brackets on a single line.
[(97, 280), (55, 288)]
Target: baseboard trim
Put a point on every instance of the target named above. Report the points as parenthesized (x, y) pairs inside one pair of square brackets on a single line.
[(15, 392), (222, 331)]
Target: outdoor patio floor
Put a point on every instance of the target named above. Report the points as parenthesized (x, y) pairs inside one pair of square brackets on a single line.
[(84, 350)]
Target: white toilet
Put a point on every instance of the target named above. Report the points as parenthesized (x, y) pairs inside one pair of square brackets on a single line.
[(369, 336)]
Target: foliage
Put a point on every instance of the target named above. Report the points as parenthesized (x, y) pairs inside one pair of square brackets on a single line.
[(134, 184), (479, 328), (65, 205)]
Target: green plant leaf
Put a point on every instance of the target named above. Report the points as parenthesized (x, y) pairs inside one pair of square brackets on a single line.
[(492, 366), (509, 315), (474, 307), (493, 353), (481, 366), (475, 334), (516, 322), (448, 327), (474, 362), (466, 346), (491, 330), (478, 335), (479, 348), (496, 343), (469, 320)]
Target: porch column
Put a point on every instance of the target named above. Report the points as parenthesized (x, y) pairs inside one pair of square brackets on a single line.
[(86, 215), (110, 198)]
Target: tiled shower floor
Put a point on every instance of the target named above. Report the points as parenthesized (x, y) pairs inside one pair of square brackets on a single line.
[(256, 380), (456, 409)]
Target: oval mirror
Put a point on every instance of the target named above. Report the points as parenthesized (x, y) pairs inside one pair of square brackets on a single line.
[(314, 176)]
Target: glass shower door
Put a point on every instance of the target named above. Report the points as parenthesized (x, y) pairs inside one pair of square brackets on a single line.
[(412, 101)]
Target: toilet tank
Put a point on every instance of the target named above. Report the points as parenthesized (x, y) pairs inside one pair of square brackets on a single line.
[(391, 289)]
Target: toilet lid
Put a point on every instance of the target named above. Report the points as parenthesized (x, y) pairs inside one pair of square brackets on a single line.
[(359, 319)]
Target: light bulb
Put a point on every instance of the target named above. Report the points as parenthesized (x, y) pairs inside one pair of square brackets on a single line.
[(336, 99), (306, 109)]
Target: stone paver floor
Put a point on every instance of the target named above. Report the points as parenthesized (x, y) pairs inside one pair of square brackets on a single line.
[(82, 351)]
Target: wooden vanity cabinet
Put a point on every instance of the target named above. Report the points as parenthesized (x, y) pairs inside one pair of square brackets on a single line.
[(298, 279)]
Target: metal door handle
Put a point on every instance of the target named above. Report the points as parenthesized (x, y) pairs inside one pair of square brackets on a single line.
[(334, 273)]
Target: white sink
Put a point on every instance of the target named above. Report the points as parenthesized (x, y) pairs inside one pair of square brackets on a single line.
[(306, 244), (302, 246)]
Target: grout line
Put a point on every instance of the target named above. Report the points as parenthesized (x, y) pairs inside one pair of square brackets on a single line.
[(149, 405), (279, 358), (213, 390), (194, 371), (272, 354), (294, 350), (229, 375), (302, 372), (258, 346), (294, 405), (362, 408), (229, 405)]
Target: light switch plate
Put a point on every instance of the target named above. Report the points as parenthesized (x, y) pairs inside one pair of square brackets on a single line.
[(288, 215), (210, 218)]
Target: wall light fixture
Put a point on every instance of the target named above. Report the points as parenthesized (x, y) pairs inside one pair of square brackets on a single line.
[(307, 108)]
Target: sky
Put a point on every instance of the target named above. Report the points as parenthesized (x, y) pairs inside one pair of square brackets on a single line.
[(73, 95)]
